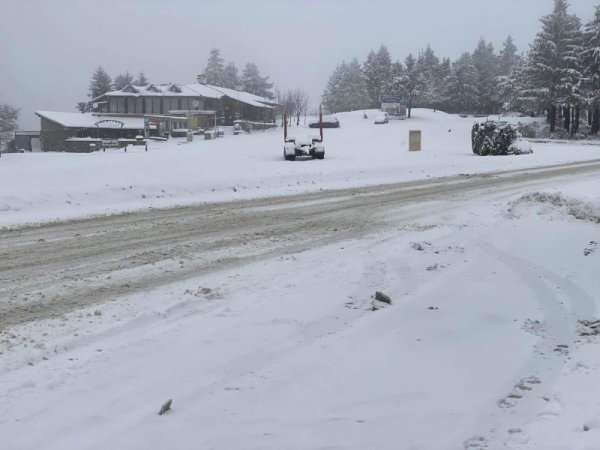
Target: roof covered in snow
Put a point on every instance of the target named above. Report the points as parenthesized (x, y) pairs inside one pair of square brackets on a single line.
[(91, 120), (189, 90), (245, 97)]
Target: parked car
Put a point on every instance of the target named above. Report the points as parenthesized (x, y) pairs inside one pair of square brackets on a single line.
[(328, 122), (381, 118)]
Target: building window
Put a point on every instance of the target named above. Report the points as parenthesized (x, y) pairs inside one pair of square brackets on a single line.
[(120, 105), (112, 104), (130, 109), (139, 105)]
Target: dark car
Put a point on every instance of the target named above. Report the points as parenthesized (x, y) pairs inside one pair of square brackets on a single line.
[(328, 122)]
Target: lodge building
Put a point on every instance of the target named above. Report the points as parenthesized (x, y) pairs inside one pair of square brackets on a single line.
[(154, 110)]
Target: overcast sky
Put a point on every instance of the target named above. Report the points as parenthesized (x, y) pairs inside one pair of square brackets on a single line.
[(49, 48)]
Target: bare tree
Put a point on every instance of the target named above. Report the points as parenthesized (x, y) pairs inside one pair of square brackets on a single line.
[(288, 104), (300, 100)]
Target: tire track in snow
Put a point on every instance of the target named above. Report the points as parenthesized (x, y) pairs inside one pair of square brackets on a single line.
[(563, 303)]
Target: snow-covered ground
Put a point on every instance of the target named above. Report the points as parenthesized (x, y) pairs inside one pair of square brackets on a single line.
[(46, 186), (481, 347)]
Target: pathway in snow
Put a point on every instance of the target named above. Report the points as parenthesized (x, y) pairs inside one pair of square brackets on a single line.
[(562, 304)]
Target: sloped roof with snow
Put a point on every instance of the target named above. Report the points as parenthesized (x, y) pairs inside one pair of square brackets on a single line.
[(244, 97), (189, 90), (89, 120)]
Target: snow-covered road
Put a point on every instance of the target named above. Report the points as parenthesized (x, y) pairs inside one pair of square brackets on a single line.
[(52, 269), (256, 316)]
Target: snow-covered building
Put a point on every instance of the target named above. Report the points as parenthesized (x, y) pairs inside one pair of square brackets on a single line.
[(152, 110), (65, 131), (186, 100)]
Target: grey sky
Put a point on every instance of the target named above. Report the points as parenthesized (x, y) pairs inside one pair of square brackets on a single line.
[(49, 48)]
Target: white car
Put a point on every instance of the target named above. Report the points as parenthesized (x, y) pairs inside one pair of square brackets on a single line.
[(381, 118)]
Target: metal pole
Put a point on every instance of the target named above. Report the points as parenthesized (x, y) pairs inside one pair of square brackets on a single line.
[(321, 121)]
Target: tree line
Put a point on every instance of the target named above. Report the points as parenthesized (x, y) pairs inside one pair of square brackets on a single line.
[(226, 75), (216, 73), (559, 76)]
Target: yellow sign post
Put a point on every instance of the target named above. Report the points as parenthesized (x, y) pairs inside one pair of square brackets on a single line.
[(414, 140)]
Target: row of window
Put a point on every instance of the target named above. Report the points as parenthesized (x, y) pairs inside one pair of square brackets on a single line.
[(150, 105)]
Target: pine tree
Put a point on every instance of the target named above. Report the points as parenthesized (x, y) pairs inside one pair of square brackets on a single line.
[(371, 75), (141, 80), (8, 123), (215, 68), (510, 88), (100, 83), (254, 83), (122, 80), (591, 62), (553, 74), (444, 72), (410, 83), (508, 57), (461, 85), (485, 63), (346, 89), (377, 72), (428, 66), (231, 78)]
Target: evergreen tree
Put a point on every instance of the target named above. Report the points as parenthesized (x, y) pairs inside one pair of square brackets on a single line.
[(141, 80), (428, 66), (553, 73), (346, 89), (510, 88), (231, 78), (444, 72), (100, 83), (215, 69), (371, 76), (123, 80), (8, 123), (377, 71), (485, 63), (410, 83), (254, 83), (461, 86), (591, 62), (508, 57)]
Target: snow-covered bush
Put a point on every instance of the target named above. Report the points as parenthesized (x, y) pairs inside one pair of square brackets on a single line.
[(527, 130), (493, 138)]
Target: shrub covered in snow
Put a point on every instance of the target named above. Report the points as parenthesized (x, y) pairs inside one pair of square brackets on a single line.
[(493, 138)]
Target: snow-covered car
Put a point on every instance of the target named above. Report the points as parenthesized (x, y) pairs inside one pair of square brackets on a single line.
[(328, 122), (381, 118), (311, 146)]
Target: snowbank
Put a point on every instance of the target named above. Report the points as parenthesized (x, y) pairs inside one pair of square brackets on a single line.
[(47, 186)]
